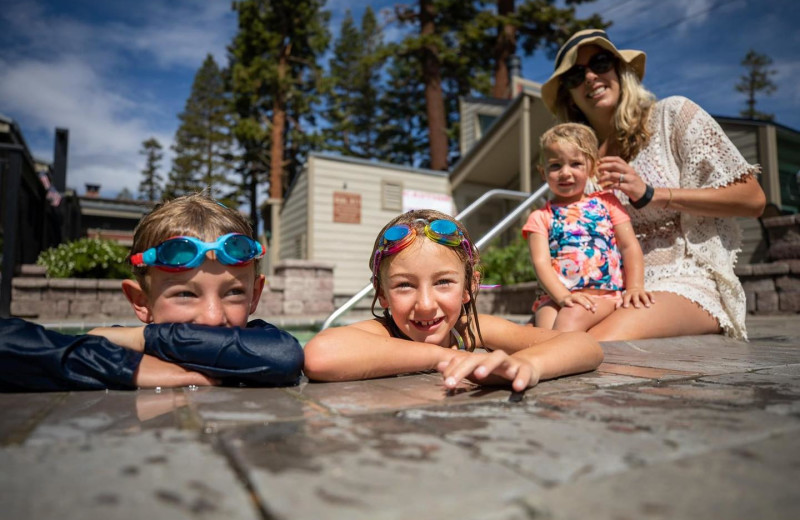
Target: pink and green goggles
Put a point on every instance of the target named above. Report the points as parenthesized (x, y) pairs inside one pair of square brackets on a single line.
[(398, 237), (182, 253)]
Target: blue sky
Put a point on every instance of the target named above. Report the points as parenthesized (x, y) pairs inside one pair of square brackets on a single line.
[(118, 72)]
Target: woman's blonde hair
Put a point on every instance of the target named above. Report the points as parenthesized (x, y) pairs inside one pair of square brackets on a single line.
[(196, 215), (630, 118), (417, 219)]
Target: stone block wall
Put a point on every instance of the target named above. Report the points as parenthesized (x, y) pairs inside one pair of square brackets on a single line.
[(509, 299), (771, 288), (34, 297)]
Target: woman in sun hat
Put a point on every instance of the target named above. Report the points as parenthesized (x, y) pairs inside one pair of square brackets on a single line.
[(681, 178)]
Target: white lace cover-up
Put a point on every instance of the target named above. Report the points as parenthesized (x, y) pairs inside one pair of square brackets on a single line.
[(686, 254)]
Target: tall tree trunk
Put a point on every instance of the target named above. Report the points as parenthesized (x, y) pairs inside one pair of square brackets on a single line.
[(504, 48), (277, 131), (434, 99)]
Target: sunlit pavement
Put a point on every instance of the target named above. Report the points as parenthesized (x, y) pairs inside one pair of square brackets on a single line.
[(685, 428)]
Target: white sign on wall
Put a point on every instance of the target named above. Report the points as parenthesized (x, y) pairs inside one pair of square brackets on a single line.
[(417, 199)]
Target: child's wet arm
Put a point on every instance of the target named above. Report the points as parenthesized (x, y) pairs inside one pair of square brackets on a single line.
[(567, 353), (351, 353), (129, 337)]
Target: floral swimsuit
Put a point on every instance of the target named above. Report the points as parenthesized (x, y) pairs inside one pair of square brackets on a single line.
[(583, 247)]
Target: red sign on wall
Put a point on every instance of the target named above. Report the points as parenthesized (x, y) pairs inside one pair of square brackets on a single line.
[(346, 207)]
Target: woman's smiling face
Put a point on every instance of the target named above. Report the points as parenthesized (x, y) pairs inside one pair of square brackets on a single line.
[(424, 288), (597, 92)]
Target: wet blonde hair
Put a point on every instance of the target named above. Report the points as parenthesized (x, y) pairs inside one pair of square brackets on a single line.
[(630, 117), (577, 134), (196, 215), (417, 219)]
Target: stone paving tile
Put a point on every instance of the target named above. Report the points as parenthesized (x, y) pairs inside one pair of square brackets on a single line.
[(659, 374), (367, 467), (162, 475), (754, 481), (559, 438), (81, 415), (20, 413), (704, 354), (776, 390), (225, 407), (393, 393)]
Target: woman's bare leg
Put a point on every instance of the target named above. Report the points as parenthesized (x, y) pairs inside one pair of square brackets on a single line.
[(670, 315)]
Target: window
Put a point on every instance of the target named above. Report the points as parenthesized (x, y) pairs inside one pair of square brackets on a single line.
[(391, 196)]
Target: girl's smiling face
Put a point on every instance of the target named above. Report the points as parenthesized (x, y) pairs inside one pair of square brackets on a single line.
[(423, 287), (566, 169)]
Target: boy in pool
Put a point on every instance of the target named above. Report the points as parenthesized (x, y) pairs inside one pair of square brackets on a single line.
[(196, 283)]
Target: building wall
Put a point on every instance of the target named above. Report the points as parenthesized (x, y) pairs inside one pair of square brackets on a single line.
[(348, 244), (294, 220)]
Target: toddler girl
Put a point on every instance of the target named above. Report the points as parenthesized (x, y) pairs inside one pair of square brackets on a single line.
[(583, 247), (424, 270)]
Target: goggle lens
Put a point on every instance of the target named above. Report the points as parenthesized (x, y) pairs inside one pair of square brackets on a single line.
[(600, 63), (395, 233), (176, 252), (240, 247)]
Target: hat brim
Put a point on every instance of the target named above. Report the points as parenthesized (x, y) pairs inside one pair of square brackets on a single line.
[(636, 59)]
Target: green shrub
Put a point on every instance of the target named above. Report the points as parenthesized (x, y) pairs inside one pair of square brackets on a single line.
[(507, 265), (86, 258)]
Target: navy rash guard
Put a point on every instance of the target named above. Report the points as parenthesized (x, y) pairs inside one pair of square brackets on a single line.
[(33, 358)]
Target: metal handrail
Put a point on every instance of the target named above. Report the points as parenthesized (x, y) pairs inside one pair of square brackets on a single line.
[(528, 199)]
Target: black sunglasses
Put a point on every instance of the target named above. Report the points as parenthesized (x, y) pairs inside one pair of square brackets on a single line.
[(599, 63)]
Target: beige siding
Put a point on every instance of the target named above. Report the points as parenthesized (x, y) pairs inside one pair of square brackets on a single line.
[(294, 221), (348, 246), (754, 246), (746, 140)]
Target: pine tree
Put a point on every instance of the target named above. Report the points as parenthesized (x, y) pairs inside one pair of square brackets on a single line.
[(274, 80), (459, 42), (204, 140), (533, 25), (402, 123), (756, 80), (150, 187), (352, 97)]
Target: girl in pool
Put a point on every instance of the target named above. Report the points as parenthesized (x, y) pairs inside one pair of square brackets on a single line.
[(583, 247), (425, 273)]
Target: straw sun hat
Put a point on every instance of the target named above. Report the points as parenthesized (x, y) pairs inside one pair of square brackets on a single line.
[(568, 53)]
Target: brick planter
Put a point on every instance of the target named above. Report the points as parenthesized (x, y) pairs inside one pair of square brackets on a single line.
[(37, 298), (771, 288)]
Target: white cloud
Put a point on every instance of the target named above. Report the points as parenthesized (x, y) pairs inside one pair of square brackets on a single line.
[(62, 71), (104, 137)]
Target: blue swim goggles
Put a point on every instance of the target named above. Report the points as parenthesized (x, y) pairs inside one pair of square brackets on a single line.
[(182, 253), (398, 237)]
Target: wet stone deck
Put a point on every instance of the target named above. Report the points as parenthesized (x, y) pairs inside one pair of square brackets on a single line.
[(695, 427)]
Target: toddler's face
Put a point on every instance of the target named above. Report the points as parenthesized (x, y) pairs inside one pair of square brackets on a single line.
[(212, 294), (566, 170), (423, 287)]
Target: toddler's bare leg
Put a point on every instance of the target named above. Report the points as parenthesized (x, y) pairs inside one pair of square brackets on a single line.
[(577, 318), (545, 315)]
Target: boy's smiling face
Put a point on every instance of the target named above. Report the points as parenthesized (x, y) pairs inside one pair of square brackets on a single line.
[(212, 294)]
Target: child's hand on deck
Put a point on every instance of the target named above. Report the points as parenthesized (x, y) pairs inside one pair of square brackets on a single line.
[(489, 368), (153, 372), (637, 297)]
